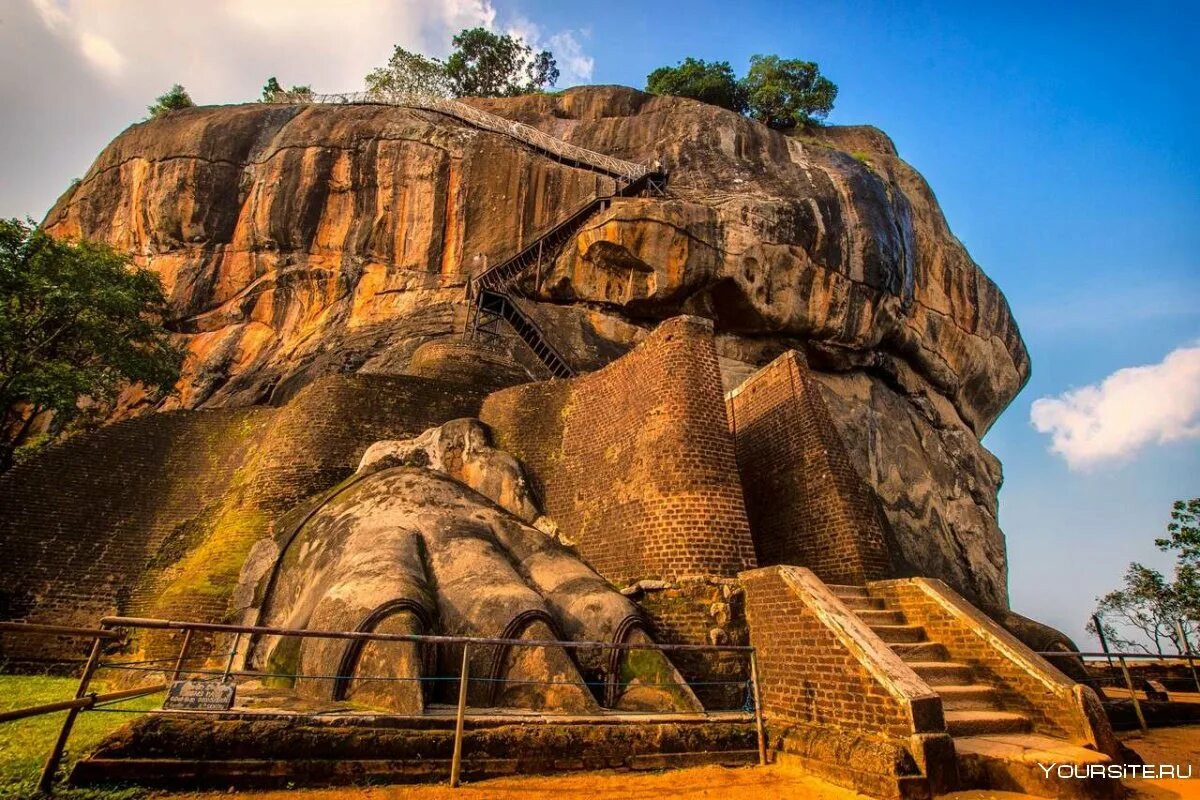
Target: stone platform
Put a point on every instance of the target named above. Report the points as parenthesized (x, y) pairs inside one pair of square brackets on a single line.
[(270, 748)]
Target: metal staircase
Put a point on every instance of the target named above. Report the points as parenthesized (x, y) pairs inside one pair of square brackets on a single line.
[(490, 294)]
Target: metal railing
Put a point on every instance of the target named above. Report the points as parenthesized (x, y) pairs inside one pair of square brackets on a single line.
[(627, 170), (1121, 661), (165, 671)]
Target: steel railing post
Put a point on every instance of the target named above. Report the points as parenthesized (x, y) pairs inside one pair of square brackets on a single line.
[(1187, 651), (1137, 706), (463, 677), (187, 640), (46, 781), (758, 715), (232, 652)]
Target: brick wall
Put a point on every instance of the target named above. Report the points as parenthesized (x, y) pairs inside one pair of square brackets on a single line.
[(843, 709), (635, 462), (806, 504), (1025, 681), (155, 516)]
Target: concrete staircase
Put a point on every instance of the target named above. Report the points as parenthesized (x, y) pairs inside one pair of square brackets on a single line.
[(995, 743)]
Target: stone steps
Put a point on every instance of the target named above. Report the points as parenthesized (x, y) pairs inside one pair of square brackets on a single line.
[(1010, 762), (982, 722), (921, 651), (968, 697), (896, 634), (995, 748), (881, 616)]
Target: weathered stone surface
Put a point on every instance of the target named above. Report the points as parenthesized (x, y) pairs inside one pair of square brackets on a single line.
[(298, 241), (461, 449), (408, 549)]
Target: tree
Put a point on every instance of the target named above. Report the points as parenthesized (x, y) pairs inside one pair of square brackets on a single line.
[(711, 82), (410, 73), (1183, 535), (175, 98), (77, 321), (785, 93), (486, 64), (272, 88), (1149, 605)]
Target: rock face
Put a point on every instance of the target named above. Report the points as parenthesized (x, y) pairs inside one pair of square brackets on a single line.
[(299, 241)]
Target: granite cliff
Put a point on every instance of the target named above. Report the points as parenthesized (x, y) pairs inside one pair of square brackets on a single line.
[(299, 241)]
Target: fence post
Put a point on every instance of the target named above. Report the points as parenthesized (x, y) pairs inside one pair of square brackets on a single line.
[(232, 652), (1137, 707), (187, 640), (46, 782), (463, 677), (758, 716), (1187, 651), (1103, 641)]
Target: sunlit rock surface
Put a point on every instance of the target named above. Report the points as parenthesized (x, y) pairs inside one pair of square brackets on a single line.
[(299, 241)]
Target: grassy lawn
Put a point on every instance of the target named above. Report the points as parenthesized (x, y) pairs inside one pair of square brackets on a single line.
[(25, 744)]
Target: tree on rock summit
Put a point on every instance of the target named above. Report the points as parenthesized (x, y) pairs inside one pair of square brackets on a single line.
[(781, 93), (711, 82), (173, 99), (483, 64)]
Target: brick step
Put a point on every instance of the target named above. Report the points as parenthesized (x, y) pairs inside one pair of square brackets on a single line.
[(943, 673), (862, 603), (880, 616), (921, 651), (968, 697), (1011, 763), (845, 590), (899, 633), (982, 723)]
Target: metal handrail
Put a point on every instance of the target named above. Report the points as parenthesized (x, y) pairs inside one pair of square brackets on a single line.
[(627, 170), (265, 630)]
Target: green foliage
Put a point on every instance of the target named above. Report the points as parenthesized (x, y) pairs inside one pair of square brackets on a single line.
[(486, 64), (483, 64), (1183, 535), (410, 73), (77, 321), (24, 744), (174, 99), (1149, 605), (782, 93), (786, 93), (272, 88), (711, 82)]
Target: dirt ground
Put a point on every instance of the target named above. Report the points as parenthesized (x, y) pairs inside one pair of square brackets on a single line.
[(1161, 746)]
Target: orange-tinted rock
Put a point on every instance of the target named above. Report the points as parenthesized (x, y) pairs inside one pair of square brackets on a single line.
[(301, 241)]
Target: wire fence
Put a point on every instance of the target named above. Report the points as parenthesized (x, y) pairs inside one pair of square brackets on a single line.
[(227, 669), (627, 170)]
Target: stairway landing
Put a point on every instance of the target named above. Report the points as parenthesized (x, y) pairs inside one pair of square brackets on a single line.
[(995, 745)]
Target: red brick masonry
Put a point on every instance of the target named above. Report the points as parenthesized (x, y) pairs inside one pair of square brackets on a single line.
[(807, 506), (635, 461)]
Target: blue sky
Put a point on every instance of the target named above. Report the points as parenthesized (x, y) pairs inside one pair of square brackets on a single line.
[(1061, 140)]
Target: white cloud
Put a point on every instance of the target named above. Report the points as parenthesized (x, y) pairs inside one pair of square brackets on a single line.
[(574, 65), (73, 73), (1131, 408)]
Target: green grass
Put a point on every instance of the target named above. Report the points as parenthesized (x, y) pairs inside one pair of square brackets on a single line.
[(24, 744)]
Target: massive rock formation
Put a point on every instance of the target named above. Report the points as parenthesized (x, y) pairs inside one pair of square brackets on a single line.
[(303, 240)]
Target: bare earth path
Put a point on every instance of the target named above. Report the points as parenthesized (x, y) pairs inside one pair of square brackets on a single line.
[(1162, 746)]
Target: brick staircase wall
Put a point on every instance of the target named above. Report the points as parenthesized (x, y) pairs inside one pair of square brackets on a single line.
[(837, 699), (806, 504), (634, 461), (1056, 705)]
